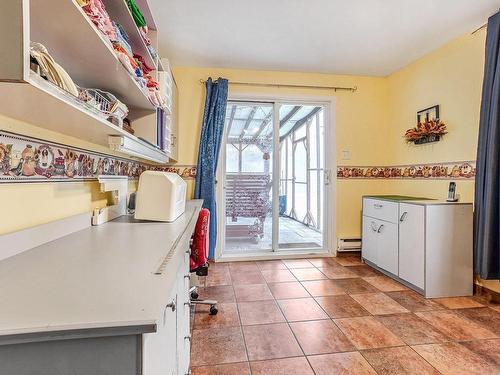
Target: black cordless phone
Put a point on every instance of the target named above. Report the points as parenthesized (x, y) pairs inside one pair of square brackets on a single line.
[(451, 192)]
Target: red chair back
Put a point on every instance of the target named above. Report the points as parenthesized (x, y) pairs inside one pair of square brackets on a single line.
[(199, 246)]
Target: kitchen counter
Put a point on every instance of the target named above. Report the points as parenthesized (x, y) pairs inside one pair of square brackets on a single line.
[(114, 276)]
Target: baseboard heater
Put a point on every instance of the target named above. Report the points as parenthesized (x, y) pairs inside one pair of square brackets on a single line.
[(349, 244)]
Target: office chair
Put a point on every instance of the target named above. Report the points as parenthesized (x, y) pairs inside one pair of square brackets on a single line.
[(198, 261)]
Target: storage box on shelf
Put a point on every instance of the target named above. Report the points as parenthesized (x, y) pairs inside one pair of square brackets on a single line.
[(425, 244), (87, 55)]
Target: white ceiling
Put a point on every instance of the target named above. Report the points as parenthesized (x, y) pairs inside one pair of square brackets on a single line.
[(362, 37)]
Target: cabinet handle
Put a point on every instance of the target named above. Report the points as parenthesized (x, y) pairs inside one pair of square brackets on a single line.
[(374, 228), (380, 228), (188, 276), (403, 216), (378, 205), (187, 338), (171, 305)]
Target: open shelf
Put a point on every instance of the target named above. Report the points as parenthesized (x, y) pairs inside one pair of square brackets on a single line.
[(59, 112), (120, 13), (80, 48)]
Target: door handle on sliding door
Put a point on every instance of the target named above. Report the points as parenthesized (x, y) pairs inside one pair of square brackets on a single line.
[(327, 174)]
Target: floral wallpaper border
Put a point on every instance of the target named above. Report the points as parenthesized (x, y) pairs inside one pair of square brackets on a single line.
[(28, 159), (463, 170)]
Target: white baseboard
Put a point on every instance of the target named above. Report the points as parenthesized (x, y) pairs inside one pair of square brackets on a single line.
[(17, 242)]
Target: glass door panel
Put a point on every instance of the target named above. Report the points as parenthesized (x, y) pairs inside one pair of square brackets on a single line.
[(301, 193), (248, 178)]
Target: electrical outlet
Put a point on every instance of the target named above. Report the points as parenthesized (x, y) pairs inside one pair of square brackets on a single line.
[(346, 155)]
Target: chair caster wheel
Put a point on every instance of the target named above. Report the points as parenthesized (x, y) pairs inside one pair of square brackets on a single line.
[(194, 295), (213, 310)]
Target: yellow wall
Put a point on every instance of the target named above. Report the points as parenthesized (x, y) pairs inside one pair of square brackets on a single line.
[(359, 119), (451, 77), (27, 205)]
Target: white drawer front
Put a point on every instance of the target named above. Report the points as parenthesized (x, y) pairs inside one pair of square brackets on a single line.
[(380, 209)]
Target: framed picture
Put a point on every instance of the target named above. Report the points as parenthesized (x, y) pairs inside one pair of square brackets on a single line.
[(428, 114)]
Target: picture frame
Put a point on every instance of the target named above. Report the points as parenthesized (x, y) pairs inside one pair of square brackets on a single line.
[(428, 114)]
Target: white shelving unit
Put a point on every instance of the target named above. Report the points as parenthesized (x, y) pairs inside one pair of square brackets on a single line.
[(88, 57)]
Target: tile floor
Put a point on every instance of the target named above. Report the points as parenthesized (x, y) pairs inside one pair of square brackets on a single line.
[(336, 316)]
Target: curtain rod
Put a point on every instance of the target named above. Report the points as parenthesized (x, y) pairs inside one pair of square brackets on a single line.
[(479, 28), (483, 26), (334, 88)]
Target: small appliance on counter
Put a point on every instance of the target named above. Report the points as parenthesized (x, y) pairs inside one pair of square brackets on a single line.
[(161, 196)]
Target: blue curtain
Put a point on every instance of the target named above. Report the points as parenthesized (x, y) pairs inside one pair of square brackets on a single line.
[(487, 191), (208, 154)]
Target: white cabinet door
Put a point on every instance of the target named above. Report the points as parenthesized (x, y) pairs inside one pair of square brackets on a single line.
[(411, 244), (387, 246), (183, 317), (369, 240), (160, 348)]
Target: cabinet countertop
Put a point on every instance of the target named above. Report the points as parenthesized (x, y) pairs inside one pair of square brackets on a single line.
[(97, 278), (413, 200)]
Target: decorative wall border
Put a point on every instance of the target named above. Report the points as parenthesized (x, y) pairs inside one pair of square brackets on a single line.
[(28, 159), (460, 170)]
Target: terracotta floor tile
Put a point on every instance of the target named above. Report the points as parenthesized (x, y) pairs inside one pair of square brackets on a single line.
[(260, 312), (412, 330), (270, 341), (278, 276), (367, 333), (321, 337), (297, 263), (413, 301), (218, 265), (229, 369), (455, 326), (218, 276), (288, 290), (258, 292), (322, 262), (337, 272), (487, 349), (364, 271), (226, 317), (356, 286), (245, 278), (216, 346), (303, 274), (351, 363), (301, 309), (348, 261), (286, 366), (342, 306), (243, 266), (220, 293), (484, 316), (271, 265), (455, 359), (385, 284), (401, 360), (320, 288), (458, 302), (378, 303)]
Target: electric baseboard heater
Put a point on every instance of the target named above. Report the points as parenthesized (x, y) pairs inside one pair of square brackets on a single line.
[(349, 244)]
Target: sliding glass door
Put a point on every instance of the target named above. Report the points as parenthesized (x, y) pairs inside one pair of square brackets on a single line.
[(301, 196), (273, 178)]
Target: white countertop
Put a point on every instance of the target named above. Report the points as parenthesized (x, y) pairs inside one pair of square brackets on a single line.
[(99, 277)]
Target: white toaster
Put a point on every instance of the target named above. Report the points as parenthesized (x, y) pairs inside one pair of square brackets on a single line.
[(161, 196)]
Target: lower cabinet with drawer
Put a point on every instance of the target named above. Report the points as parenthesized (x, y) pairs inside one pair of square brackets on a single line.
[(424, 244)]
